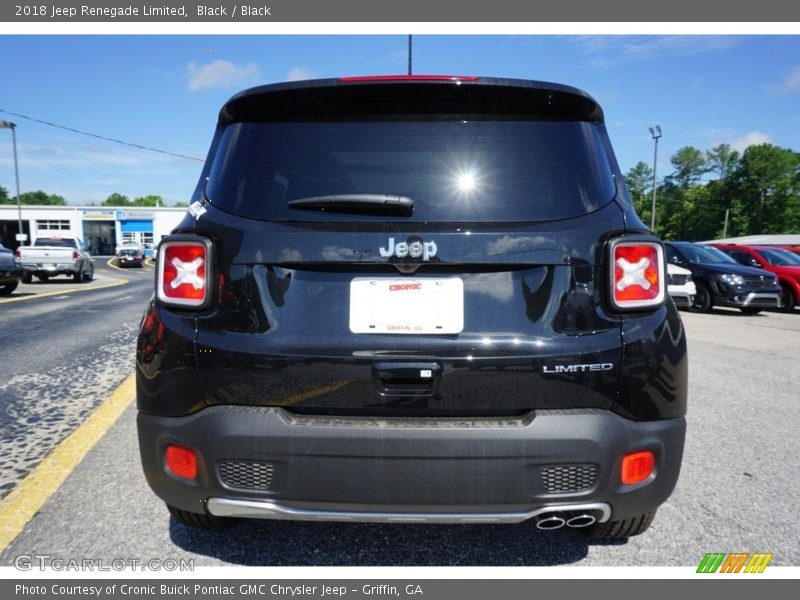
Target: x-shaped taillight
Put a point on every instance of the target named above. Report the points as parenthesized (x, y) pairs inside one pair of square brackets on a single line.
[(637, 274)]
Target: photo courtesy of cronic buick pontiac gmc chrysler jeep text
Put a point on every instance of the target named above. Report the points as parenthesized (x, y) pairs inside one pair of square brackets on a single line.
[(412, 298)]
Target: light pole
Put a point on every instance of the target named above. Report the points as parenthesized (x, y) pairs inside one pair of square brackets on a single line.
[(656, 134), (13, 127)]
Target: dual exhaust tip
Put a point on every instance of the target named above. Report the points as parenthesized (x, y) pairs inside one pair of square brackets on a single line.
[(557, 520)]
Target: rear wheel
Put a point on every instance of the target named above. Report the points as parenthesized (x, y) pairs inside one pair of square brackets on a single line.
[(702, 299), (89, 275), (614, 530), (27, 278), (199, 520), (78, 276), (44, 278), (5, 290)]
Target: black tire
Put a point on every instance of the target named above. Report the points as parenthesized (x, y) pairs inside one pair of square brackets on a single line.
[(89, 275), (787, 299), (703, 300), (44, 278), (614, 530), (750, 311), (27, 278), (199, 520), (78, 277), (7, 289)]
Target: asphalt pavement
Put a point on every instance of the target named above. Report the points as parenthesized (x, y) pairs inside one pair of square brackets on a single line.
[(64, 347), (737, 491)]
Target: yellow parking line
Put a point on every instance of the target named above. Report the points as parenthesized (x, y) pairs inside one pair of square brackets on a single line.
[(108, 262), (114, 283), (19, 507)]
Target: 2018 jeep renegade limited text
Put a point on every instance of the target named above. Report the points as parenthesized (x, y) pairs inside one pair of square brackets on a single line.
[(412, 299)]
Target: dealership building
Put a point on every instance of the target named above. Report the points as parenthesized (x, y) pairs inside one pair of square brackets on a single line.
[(102, 227)]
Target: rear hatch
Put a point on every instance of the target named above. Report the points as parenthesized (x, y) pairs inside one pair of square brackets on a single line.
[(410, 247)]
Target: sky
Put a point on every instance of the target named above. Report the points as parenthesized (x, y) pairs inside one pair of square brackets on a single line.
[(165, 91)]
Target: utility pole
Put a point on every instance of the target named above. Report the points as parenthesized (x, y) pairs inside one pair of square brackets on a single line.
[(725, 225), (656, 134), (21, 237), (409, 54)]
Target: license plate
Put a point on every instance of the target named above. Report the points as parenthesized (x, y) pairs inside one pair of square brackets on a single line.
[(406, 306)]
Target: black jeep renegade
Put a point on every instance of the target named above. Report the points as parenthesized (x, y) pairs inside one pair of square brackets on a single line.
[(412, 298)]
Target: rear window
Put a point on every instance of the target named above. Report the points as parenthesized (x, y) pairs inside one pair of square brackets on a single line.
[(55, 242), (697, 254), (782, 258), (455, 171)]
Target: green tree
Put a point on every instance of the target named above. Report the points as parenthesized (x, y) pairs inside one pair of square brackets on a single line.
[(722, 160), (116, 199), (767, 185), (690, 166), (41, 198), (669, 209), (722, 194), (639, 180), (181, 204), (4, 198), (151, 200), (760, 190), (690, 213)]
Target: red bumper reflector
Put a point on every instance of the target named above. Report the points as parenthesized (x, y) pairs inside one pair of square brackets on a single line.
[(637, 466), (182, 461)]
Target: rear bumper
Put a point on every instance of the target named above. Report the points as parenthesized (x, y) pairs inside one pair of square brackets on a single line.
[(269, 463), (10, 274), (51, 269)]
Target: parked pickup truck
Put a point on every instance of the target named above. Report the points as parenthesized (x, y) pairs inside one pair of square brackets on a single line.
[(51, 256)]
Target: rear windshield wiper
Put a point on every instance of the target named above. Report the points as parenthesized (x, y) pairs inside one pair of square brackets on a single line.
[(366, 203)]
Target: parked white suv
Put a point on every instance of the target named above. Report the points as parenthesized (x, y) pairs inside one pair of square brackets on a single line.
[(680, 286)]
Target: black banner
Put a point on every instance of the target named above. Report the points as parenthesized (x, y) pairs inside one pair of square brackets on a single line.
[(441, 11), (367, 589)]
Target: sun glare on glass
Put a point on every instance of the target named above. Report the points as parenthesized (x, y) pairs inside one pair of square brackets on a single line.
[(466, 182)]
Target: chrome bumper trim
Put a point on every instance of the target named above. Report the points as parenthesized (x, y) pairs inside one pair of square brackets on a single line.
[(752, 296), (269, 509)]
